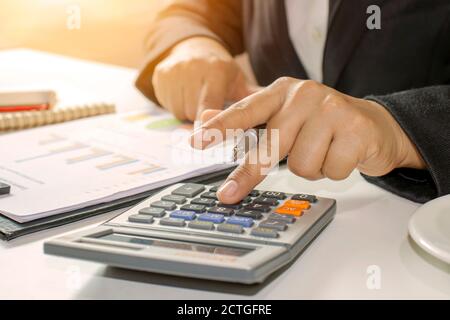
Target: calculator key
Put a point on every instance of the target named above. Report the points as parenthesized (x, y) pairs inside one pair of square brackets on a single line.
[(245, 222), (264, 232), (249, 214), (155, 212), (181, 214), (168, 205), (214, 189), (282, 217), (231, 228), (173, 222), (221, 210), (202, 225), (140, 218), (268, 201), (247, 199), (235, 206), (274, 194), (204, 201), (301, 204), (289, 210), (189, 190), (273, 224), (254, 193), (209, 195), (211, 217), (174, 198), (257, 207), (305, 197), (194, 207)]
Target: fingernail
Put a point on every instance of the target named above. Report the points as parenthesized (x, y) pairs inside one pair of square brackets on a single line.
[(229, 188), (197, 138)]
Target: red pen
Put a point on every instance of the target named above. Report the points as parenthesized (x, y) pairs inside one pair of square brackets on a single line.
[(26, 101)]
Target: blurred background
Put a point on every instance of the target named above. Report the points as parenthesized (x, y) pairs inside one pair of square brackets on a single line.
[(111, 31)]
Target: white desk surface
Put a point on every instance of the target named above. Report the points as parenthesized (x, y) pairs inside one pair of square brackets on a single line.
[(370, 227)]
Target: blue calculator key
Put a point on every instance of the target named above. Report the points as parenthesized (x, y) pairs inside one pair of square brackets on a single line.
[(181, 214), (242, 221), (212, 217)]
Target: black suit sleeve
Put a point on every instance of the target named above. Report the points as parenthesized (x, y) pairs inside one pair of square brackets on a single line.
[(424, 115)]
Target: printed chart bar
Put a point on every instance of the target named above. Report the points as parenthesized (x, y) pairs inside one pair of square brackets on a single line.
[(120, 161), (72, 147), (52, 139), (94, 154), (148, 170)]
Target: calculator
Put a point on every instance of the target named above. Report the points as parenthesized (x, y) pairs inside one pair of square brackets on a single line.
[(185, 230)]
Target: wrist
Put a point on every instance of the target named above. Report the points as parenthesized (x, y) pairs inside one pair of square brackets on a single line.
[(200, 46), (407, 155)]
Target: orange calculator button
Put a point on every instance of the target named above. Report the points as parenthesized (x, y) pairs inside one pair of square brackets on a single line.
[(301, 204), (289, 210)]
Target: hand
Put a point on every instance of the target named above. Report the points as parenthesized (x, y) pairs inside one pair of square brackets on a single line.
[(323, 132), (198, 74)]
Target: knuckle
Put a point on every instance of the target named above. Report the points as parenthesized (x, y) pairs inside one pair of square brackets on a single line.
[(243, 173), (284, 81), (334, 174), (309, 86), (301, 170), (334, 104)]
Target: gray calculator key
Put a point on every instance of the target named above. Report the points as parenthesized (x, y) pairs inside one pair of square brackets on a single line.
[(267, 201), (209, 195), (282, 217), (194, 207), (231, 228), (202, 225), (189, 190), (140, 218), (155, 212), (249, 214), (173, 222), (235, 206), (204, 201), (174, 198), (305, 197), (221, 210), (168, 205), (264, 232), (214, 189), (4, 188), (273, 224), (274, 194), (257, 207)]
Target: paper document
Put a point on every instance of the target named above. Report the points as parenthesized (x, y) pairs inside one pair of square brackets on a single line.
[(64, 167)]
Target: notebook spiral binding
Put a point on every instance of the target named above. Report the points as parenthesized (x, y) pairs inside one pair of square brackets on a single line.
[(29, 119)]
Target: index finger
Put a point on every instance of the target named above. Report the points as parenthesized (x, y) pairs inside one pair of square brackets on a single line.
[(245, 114)]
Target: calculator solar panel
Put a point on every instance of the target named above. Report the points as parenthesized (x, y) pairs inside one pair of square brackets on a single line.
[(184, 230)]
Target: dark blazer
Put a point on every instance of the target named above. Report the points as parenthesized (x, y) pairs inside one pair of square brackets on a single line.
[(405, 66)]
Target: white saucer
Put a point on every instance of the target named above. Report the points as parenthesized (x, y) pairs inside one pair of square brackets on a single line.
[(430, 228)]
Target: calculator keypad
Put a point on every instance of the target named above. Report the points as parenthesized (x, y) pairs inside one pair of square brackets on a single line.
[(262, 214)]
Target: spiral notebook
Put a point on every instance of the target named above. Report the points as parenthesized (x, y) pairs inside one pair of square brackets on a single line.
[(10, 121)]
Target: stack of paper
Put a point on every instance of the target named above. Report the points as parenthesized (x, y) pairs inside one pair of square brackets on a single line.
[(64, 167)]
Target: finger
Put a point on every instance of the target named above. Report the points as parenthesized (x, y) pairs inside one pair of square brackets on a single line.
[(310, 148), (341, 159), (212, 96), (259, 161), (192, 94), (209, 114), (247, 113)]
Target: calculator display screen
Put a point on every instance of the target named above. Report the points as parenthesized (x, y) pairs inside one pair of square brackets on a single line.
[(177, 244)]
